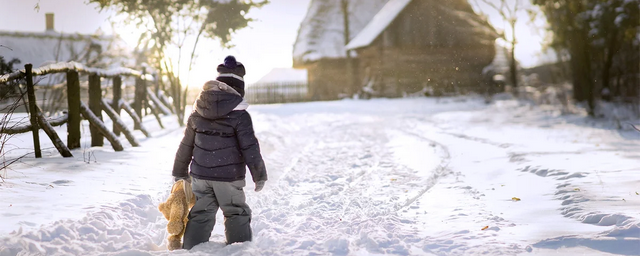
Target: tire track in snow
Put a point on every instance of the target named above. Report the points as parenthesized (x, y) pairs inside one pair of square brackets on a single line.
[(358, 179), (477, 139), (296, 159), (459, 238), (438, 172)]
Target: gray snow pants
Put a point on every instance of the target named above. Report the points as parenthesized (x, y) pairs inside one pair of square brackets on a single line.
[(211, 195)]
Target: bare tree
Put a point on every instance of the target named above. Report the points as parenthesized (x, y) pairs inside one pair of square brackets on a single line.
[(173, 25), (508, 10), (9, 93), (5, 124)]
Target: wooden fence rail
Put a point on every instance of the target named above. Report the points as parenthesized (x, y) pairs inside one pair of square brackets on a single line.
[(74, 66), (119, 124), (99, 127), (137, 120), (56, 121), (144, 98)]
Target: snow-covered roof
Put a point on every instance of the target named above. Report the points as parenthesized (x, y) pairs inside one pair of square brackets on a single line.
[(321, 33), (379, 23), (284, 75), (478, 28), (393, 8), (43, 48)]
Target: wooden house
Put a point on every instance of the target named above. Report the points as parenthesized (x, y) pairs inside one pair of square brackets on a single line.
[(413, 45), (404, 46), (50, 46), (320, 44)]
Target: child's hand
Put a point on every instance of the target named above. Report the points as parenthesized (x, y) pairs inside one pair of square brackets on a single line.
[(259, 185)]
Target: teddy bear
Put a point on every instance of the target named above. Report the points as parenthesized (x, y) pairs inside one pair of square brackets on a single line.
[(175, 210)]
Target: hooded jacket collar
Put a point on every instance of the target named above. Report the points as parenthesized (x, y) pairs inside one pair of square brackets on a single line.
[(218, 99)]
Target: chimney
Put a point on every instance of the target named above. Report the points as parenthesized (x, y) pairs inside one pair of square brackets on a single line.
[(49, 17)]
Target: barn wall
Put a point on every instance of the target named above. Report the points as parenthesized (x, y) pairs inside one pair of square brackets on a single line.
[(328, 79), (425, 47)]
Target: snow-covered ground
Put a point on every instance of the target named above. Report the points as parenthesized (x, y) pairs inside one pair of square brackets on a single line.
[(415, 176)]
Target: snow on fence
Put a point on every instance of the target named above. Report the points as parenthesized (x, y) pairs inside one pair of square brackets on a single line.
[(277, 93), (144, 98), (74, 66)]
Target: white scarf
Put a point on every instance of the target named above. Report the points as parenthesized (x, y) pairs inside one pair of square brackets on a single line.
[(242, 106)]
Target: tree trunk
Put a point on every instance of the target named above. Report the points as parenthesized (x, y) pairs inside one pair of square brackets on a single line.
[(583, 86), (606, 69), (512, 63)]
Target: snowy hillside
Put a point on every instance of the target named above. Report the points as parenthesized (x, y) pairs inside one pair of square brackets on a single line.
[(321, 33), (419, 176)]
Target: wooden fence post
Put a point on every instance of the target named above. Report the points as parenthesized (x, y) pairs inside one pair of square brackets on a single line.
[(156, 83), (143, 91), (33, 110), (73, 100), (95, 97), (137, 101), (140, 96), (117, 94)]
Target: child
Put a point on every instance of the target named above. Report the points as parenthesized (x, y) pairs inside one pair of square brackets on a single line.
[(218, 143)]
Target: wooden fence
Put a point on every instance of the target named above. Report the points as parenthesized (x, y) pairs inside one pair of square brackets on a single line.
[(277, 93), (144, 98)]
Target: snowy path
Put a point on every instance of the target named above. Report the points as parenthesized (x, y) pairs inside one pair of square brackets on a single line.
[(406, 176), (347, 184)]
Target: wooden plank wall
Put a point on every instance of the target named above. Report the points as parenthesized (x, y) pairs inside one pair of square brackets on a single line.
[(419, 50)]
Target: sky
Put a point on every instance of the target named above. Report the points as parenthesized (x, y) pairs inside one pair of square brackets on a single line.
[(266, 44), (530, 36)]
